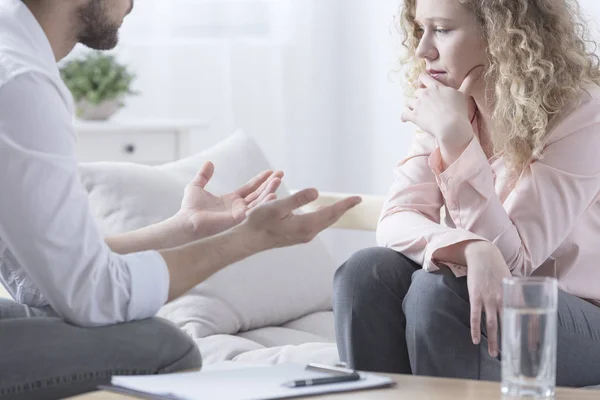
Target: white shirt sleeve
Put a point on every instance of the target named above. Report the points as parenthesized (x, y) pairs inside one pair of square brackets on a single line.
[(45, 217)]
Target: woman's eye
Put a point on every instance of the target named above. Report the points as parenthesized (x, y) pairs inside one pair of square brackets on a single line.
[(420, 31)]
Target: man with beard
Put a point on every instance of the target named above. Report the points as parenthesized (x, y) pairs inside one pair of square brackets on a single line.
[(84, 304)]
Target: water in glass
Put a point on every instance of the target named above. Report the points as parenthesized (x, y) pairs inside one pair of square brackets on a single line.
[(529, 352)]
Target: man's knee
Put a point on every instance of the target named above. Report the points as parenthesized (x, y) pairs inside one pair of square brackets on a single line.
[(173, 348), (77, 359), (155, 345), (372, 269)]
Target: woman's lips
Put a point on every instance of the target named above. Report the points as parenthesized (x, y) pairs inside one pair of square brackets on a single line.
[(437, 74)]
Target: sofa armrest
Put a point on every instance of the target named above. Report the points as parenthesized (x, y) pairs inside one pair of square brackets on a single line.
[(362, 217)]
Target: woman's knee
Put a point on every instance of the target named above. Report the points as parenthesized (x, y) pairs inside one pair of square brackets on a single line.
[(370, 269), (432, 296)]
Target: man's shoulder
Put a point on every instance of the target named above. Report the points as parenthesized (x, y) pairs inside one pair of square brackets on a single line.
[(12, 67), (18, 54), (19, 78), (19, 61), (13, 55)]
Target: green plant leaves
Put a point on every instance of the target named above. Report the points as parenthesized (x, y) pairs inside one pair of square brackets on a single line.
[(97, 78)]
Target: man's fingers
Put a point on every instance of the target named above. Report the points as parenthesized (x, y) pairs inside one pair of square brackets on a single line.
[(204, 175), (476, 320), (254, 184), (327, 216), (277, 175), (297, 200), (271, 188), (491, 314), (471, 80), (269, 198)]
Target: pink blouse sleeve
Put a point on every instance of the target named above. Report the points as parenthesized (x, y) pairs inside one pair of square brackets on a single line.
[(550, 197), (410, 221)]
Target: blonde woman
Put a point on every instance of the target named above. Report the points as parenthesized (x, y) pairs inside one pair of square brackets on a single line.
[(505, 96)]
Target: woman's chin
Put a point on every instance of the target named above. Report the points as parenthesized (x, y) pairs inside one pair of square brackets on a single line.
[(445, 80)]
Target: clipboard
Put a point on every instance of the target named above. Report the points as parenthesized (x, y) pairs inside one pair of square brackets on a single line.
[(254, 383)]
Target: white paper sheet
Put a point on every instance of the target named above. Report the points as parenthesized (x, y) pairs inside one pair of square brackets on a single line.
[(256, 383)]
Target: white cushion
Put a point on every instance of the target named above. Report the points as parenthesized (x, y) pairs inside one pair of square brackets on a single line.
[(216, 349), (124, 197), (319, 323), (315, 327), (268, 289), (308, 339)]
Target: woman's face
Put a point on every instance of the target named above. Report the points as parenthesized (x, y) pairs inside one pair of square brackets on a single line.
[(450, 40)]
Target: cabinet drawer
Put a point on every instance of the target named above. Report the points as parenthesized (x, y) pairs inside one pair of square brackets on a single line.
[(144, 148)]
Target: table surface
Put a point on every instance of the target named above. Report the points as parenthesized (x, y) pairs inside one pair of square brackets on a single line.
[(414, 388)]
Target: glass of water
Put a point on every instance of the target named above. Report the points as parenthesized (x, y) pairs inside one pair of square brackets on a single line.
[(529, 337)]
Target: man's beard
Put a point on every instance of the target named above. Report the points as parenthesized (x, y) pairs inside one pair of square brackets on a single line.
[(98, 32)]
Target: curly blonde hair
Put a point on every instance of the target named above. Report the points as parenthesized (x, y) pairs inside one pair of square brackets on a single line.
[(540, 58)]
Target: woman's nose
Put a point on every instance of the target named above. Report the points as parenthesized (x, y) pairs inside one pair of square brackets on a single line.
[(427, 49)]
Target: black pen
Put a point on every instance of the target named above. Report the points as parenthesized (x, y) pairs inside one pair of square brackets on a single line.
[(323, 381)]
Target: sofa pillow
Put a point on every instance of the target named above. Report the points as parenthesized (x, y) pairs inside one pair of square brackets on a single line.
[(267, 289), (124, 197)]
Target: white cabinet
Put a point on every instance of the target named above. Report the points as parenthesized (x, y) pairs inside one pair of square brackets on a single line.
[(137, 141)]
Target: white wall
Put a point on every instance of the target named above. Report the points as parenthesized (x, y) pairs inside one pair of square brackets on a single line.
[(314, 92), (591, 11)]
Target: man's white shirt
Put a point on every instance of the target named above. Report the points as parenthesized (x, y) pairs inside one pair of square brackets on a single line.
[(51, 250)]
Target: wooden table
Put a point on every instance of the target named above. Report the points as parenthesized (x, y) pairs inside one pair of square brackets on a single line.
[(415, 388)]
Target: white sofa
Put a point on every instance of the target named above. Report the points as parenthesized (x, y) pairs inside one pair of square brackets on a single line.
[(273, 307)]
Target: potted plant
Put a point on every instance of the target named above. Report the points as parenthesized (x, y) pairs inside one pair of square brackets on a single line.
[(98, 84)]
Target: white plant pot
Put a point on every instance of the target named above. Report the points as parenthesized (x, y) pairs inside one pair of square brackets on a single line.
[(100, 112)]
